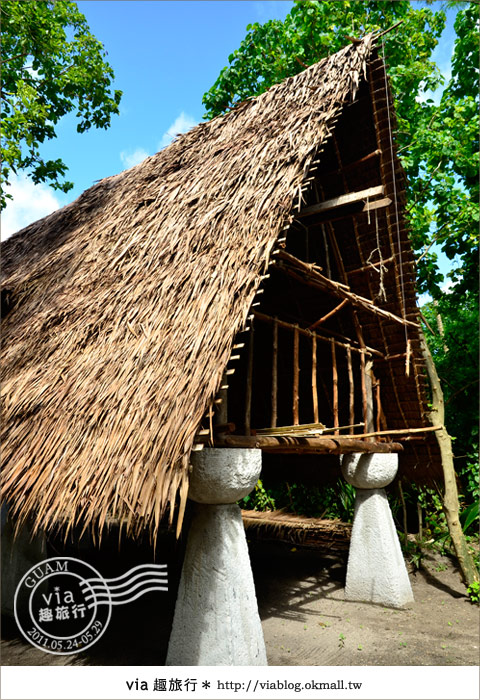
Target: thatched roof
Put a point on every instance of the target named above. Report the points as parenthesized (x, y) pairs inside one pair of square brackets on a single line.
[(123, 306)]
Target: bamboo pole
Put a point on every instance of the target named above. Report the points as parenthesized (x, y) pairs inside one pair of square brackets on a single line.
[(314, 379), (342, 200), (296, 371), (335, 387), (304, 429), (400, 431), (303, 331), (248, 392), (364, 389), (351, 389), (273, 420), (340, 444), (408, 356), (316, 279), (329, 315), (378, 404), (450, 496)]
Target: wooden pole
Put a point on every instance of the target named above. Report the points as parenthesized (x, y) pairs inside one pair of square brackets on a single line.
[(290, 326), (369, 382), (364, 389), (340, 444), (248, 392), (329, 315), (273, 421), (379, 405), (351, 389), (450, 496), (335, 387), (296, 372), (314, 378)]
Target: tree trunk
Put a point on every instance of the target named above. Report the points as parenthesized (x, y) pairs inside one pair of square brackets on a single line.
[(450, 496)]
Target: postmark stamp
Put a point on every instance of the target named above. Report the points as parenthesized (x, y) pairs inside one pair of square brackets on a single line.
[(63, 605)]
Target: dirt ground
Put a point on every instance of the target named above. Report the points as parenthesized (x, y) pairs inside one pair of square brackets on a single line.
[(305, 619)]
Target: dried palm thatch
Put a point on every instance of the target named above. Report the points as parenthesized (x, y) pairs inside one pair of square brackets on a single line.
[(123, 306), (324, 535)]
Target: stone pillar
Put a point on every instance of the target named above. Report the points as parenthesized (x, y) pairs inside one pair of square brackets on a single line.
[(216, 620), (376, 569)]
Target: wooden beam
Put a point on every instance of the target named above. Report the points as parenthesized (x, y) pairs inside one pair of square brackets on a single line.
[(342, 200), (309, 334), (306, 445), (329, 315), (376, 204), (311, 276)]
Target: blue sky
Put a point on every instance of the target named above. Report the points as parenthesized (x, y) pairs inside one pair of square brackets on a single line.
[(166, 54)]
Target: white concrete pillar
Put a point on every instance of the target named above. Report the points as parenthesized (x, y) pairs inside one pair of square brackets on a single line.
[(216, 620), (376, 570)]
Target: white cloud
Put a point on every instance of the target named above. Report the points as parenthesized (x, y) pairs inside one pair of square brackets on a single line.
[(182, 123), (133, 158), (30, 202)]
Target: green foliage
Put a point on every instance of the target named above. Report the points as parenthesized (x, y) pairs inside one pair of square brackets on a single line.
[(474, 592), (52, 65), (469, 516), (445, 157), (453, 338), (438, 143), (259, 499), (312, 501)]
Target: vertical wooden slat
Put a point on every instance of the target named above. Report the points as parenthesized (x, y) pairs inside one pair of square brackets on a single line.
[(314, 379), (369, 384), (221, 415), (378, 405), (273, 421), (248, 392), (351, 390), (364, 391), (296, 371), (335, 388)]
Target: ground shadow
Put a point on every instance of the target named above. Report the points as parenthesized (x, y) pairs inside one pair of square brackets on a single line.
[(289, 579)]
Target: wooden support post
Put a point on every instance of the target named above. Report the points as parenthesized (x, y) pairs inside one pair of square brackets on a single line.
[(248, 392), (351, 389), (364, 389), (273, 420), (314, 379), (450, 496), (379, 405), (369, 426), (335, 388), (296, 372), (221, 415)]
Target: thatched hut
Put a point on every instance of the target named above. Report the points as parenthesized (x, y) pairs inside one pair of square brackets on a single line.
[(247, 285)]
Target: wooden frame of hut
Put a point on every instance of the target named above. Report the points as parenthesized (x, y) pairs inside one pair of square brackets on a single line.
[(266, 250)]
